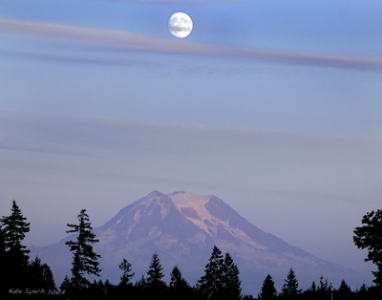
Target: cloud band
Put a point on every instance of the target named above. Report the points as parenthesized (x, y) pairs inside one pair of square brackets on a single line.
[(133, 41)]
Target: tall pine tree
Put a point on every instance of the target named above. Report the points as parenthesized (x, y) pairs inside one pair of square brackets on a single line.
[(179, 288), (212, 283), (156, 287), (177, 281), (85, 260), (268, 290), (290, 288), (344, 292), (155, 275), (125, 287), (14, 228), (127, 274), (231, 281)]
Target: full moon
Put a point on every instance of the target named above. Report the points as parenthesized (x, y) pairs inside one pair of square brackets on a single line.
[(180, 25)]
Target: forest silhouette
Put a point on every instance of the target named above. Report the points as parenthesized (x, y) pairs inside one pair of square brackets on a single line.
[(23, 277)]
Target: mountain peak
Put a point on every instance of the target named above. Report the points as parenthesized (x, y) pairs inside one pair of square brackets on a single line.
[(183, 228), (155, 193)]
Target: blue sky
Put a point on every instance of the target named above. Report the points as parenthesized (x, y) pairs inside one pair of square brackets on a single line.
[(273, 106)]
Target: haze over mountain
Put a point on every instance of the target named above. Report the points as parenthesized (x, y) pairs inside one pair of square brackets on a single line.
[(183, 228)]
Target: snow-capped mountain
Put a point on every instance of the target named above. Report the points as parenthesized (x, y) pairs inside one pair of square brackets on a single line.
[(183, 228)]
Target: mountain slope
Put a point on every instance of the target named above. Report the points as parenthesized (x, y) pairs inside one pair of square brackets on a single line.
[(183, 228)]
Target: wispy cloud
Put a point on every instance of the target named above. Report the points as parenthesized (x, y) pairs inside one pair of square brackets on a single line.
[(193, 154), (132, 41), (59, 132), (69, 59)]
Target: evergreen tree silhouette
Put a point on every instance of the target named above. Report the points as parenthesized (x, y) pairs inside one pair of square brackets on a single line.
[(40, 275), (231, 281), (14, 228), (179, 288), (66, 287), (325, 289), (290, 287), (85, 260), (127, 274), (212, 283), (311, 292), (268, 290), (344, 291), (177, 280), (125, 287), (155, 284)]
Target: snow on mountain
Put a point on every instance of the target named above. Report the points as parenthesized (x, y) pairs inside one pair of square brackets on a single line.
[(183, 228)]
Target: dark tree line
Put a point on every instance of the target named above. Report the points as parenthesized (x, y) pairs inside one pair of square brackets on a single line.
[(323, 291), (19, 274), (220, 281)]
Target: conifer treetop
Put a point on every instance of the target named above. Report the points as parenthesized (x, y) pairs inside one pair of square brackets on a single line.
[(85, 260), (14, 229), (290, 287), (155, 271)]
